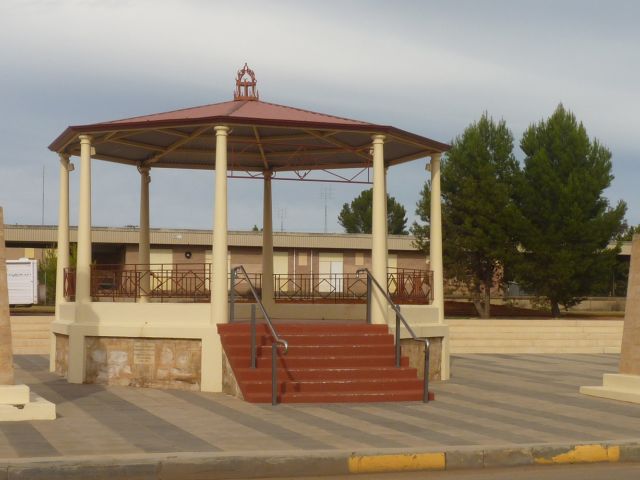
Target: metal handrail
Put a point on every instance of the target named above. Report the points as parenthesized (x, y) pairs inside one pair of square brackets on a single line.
[(399, 318), (277, 339)]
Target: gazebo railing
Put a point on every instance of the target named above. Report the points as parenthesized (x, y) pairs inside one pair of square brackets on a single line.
[(406, 286), (177, 282), (190, 282), (319, 288), (410, 286)]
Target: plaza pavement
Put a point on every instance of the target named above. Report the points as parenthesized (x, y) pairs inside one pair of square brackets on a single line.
[(492, 401)]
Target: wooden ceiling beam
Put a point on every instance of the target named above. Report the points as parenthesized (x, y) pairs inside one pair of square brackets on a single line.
[(140, 145), (176, 145), (259, 143), (345, 146)]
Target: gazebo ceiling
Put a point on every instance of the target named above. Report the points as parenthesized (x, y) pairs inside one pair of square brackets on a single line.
[(264, 136)]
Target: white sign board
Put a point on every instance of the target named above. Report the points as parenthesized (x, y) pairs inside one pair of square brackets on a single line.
[(22, 279)]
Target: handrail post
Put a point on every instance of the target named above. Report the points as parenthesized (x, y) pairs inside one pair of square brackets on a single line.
[(425, 393), (369, 288), (274, 373), (398, 346), (253, 335), (274, 334), (232, 296)]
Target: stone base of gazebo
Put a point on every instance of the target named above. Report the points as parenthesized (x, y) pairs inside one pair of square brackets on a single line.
[(175, 346)]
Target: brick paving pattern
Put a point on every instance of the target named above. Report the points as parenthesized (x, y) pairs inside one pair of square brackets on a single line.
[(491, 400)]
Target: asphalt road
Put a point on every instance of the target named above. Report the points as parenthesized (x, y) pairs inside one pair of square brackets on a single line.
[(601, 471)]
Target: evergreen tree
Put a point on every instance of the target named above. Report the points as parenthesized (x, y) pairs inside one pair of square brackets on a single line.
[(567, 222), (356, 217), (478, 214), (627, 232)]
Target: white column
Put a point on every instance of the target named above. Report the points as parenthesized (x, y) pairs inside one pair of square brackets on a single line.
[(267, 243), (219, 292), (144, 255), (435, 241), (83, 268), (379, 232), (211, 362), (63, 228), (76, 358)]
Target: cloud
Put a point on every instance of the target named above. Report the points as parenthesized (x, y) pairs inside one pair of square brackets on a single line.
[(425, 66)]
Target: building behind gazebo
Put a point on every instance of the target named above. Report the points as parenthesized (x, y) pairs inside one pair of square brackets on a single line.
[(176, 344)]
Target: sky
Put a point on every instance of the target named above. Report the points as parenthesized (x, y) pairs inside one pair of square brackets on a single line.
[(429, 67)]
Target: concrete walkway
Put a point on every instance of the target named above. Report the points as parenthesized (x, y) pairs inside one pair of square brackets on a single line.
[(491, 401)]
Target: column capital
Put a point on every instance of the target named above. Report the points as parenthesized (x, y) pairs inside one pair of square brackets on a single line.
[(144, 169), (221, 130), (378, 138), (64, 160), (85, 139), (435, 157)]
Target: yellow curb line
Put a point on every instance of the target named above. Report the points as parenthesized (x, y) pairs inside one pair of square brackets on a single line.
[(396, 463), (584, 454)]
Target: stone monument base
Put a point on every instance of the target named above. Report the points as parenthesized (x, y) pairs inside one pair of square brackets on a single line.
[(18, 403), (616, 386)]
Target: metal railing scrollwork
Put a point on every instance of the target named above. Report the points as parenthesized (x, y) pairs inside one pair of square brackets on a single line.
[(177, 282)]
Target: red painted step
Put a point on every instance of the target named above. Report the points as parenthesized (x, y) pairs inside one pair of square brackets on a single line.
[(314, 350), (313, 339), (354, 397), (286, 361), (326, 362), (333, 374), (349, 385)]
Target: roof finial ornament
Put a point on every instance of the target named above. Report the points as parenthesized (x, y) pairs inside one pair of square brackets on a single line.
[(246, 85)]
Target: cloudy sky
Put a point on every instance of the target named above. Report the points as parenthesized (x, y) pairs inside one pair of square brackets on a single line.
[(430, 67)]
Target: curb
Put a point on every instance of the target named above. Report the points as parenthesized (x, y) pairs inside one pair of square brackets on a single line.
[(219, 466)]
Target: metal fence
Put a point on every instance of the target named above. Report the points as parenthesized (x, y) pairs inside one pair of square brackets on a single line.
[(190, 282), (405, 287), (177, 282)]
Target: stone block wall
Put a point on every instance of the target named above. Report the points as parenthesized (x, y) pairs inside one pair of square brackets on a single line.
[(62, 354), (144, 362), (415, 351)]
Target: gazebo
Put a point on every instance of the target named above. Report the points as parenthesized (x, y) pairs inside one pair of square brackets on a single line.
[(245, 137)]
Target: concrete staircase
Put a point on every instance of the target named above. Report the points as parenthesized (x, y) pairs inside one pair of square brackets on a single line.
[(324, 364), (534, 336), (30, 334)]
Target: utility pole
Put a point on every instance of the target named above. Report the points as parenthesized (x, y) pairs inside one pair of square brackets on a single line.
[(326, 194), (43, 195), (282, 213)]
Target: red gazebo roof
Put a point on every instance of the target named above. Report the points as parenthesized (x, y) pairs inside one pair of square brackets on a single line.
[(264, 136)]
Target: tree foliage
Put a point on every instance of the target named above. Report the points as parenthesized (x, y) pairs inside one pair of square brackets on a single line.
[(47, 268), (47, 274), (567, 223), (627, 232), (478, 214), (356, 217)]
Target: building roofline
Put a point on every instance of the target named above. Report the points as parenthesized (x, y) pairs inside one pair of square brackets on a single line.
[(47, 234)]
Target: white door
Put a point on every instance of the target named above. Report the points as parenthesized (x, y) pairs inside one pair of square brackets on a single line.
[(330, 272), (281, 269), (161, 260)]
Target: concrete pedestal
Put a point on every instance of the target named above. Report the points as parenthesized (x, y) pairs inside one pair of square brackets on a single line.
[(616, 386), (625, 385), (17, 403)]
